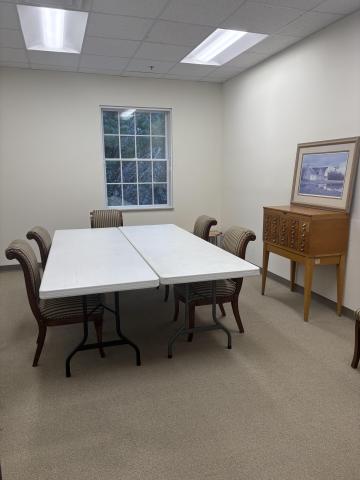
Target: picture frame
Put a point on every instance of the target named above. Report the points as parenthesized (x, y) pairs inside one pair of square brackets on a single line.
[(325, 173)]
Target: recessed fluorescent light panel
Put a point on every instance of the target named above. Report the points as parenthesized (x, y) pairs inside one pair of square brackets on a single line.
[(222, 46), (52, 29)]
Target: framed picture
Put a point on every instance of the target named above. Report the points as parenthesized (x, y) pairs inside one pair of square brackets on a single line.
[(325, 173)]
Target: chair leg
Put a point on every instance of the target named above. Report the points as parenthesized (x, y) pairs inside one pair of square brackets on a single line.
[(98, 328), (176, 312), (235, 309), (191, 320), (40, 343), (167, 291), (222, 310), (356, 357)]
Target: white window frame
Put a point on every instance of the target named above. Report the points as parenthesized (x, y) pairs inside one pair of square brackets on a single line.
[(168, 146)]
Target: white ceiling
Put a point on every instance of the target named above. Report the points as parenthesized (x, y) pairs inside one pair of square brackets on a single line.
[(148, 38)]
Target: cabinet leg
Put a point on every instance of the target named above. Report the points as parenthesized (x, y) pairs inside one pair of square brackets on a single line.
[(340, 276), (266, 254), (307, 287), (292, 274)]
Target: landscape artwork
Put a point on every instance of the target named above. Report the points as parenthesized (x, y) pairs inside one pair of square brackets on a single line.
[(323, 174)]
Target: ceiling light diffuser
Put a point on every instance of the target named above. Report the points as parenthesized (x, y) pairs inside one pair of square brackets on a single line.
[(52, 29), (221, 46)]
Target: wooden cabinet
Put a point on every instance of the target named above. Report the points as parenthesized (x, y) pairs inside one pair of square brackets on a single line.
[(310, 236)]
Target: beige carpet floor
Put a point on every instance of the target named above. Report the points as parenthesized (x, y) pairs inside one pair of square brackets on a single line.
[(282, 404)]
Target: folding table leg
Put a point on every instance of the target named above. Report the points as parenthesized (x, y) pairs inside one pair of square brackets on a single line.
[(219, 324), (185, 329), (119, 332), (82, 343)]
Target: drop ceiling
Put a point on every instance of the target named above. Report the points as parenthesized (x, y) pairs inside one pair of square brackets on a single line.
[(148, 38)]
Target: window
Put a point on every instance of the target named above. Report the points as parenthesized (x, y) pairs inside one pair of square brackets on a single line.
[(137, 157)]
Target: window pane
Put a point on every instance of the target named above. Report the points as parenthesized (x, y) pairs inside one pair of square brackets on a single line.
[(143, 147), (158, 147), (111, 144), (127, 125), (143, 123), (158, 123), (130, 195), (160, 193), (145, 195), (113, 172), (127, 147), (110, 122), (160, 174), (129, 172), (114, 195), (144, 172)]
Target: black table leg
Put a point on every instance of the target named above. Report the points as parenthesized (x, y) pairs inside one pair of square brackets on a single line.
[(185, 329), (86, 332), (111, 343), (119, 332)]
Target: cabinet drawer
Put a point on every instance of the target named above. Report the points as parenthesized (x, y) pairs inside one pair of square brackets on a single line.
[(286, 230)]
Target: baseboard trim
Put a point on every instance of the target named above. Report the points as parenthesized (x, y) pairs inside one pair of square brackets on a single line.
[(6, 268), (347, 312)]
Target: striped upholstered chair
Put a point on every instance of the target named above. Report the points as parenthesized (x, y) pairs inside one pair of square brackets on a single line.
[(43, 240), (202, 228), (54, 312), (235, 241), (356, 357), (203, 225), (106, 218)]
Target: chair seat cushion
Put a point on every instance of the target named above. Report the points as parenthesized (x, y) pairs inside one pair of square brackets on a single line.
[(65, 308), (203, 290)]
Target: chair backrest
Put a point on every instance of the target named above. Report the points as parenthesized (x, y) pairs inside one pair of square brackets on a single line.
[(236, 240), (22, 251), (43, 240), (106, 218), (202, 226)]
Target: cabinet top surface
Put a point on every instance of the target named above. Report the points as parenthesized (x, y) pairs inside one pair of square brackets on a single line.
[(308, 211)]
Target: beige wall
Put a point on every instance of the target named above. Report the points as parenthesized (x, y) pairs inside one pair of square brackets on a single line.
[(309, 92), (51, 165)]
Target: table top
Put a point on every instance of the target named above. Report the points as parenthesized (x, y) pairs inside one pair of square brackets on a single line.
[(98, 260), (178, 256)]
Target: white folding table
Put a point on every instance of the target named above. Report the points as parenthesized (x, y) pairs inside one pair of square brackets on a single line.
[(94, 261), (178, 256)]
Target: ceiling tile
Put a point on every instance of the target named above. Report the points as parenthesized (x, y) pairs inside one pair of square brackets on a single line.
[(135, 8), (182, 77), (109, 46), (274, 44), (39, 66), (14, 64), (161, 51), (8, 16), (11, 38), (128, 28), (260, 18), (102, 62), (143, 74), (224, 74), (144, 66), (247, 59), (309, 23), (300, 4), (187, 69), (83, 5), (13, 55), (343, 7), (201, 12), (51, 58), (101, 71), (178, 33)]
